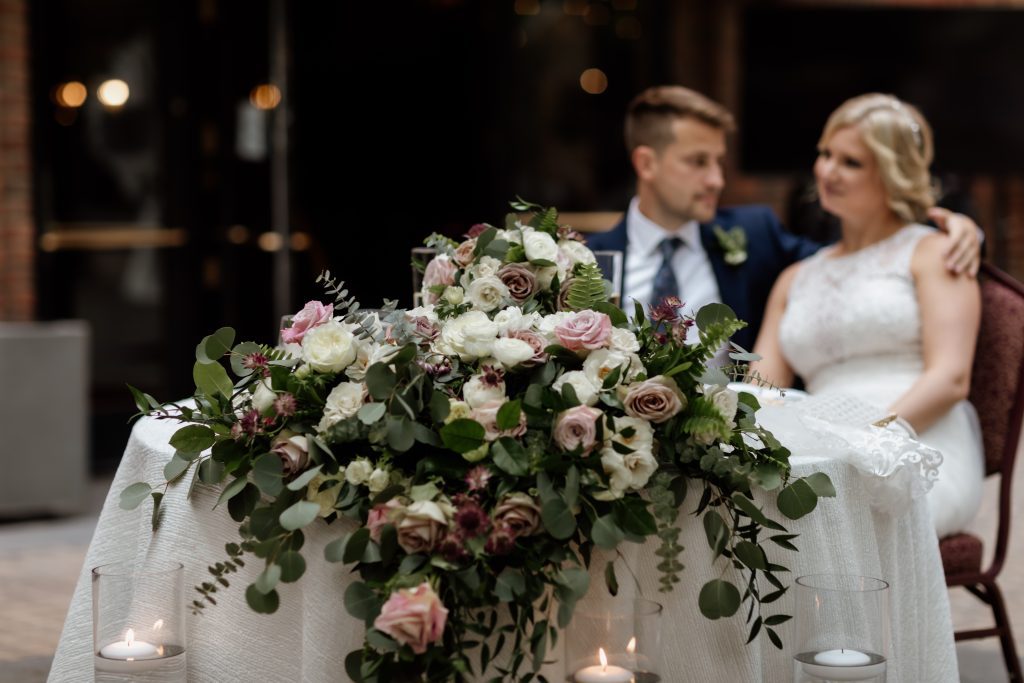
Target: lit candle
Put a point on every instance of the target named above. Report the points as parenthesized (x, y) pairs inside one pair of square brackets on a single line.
[(844, 665), (130, 649), (603, 673)]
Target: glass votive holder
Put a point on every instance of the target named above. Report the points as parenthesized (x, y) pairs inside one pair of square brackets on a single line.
[(614, 641), (138, 622), (842, 629)]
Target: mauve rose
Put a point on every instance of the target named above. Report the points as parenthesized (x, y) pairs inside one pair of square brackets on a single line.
[(413, 617), (312, 314), (519, 279), (577, 427), (562, 302), (384, 513), (424, 328), (536, 342), (586, 330), (440, 271), (487, 415), (464, 252), (656, 399), (422, 527), (294, 453), (519, 513)]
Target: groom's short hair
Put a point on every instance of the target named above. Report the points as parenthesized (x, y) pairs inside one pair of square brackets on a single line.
[(651, 113)]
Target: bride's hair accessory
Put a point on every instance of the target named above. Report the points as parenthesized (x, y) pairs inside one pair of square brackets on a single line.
[(915, 127)]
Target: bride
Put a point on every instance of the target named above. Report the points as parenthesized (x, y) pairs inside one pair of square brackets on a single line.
[(876, 316)]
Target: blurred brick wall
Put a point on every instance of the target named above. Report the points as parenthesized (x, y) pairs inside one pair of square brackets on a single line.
[(17, 250)]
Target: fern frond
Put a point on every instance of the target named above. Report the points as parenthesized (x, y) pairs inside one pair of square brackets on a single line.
[(586, 288), (546, 220)]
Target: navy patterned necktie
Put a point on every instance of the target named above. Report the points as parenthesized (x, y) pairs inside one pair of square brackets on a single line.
[(665, 283)]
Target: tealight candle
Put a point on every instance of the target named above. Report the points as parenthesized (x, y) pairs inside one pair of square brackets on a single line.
[(844, 665), (603, 673), (130, 649)]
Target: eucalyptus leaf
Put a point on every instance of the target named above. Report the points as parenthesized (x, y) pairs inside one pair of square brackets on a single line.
[(463, 435), (232, 489), (380, 381), (399, 433), (361, 602), (238, 355), (293, 566), (267, 474), (558, 519), (262, 603), (212, 347), (155, 517), (606, 533), (509, 585), (718, 598), (193, 439), (711, 314), (211, 472), (610, 580), (510, 456), (175, 467), (356, 545), (212, 379), (750, 554), (371, 412), (299, 515), (797, 499), (509, 414), (302, 481), (268, 578), (133, 496), (716, 531), (821, 484)]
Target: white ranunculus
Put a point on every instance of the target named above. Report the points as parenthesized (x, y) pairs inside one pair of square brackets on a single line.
[(577, 252), (511, 352), (539, 246), (487, 293), (548, 323), (330, 347), (477, 393), (453, 295), (487, 266), (358, 471), (623, 340), (263, 396), (378, 481), (642, 438), (510, 236), (508, 319), (586, 391), (343, 402)]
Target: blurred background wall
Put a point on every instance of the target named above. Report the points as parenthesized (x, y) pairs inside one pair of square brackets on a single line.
[(167, 167)]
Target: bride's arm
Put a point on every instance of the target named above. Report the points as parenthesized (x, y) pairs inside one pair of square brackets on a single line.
[(950, 313), (773, 366)]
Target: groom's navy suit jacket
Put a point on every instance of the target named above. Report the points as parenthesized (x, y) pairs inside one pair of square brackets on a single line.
[(744, 287)]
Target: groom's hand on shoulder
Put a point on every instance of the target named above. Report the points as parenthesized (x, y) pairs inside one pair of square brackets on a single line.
[(963, 245)]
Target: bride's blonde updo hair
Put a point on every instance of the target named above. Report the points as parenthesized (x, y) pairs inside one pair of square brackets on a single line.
[(901, 140)]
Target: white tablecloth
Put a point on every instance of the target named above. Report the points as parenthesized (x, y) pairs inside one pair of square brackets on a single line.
[(309, 636)]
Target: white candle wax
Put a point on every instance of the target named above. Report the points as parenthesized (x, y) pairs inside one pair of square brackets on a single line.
[(603, 674), (130, 649), (844, 665), (842, 658)]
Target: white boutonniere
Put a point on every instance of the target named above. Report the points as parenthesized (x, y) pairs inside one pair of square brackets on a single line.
[(733, 243)]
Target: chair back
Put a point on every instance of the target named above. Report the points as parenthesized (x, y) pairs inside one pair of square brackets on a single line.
[(997, 380)]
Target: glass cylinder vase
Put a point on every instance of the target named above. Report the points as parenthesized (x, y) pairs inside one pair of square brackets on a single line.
[(614, 641), (138, 622), (842, 629)]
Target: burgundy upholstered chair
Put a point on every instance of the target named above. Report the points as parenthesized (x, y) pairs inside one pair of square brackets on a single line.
[(997, 392)]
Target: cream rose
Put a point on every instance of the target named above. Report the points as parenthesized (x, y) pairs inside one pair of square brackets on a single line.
[(487, 293), (422, 527), (576, 252), (577, 428), (656, 399), (511, 352), (358, 471), (330, 347), (586, 391), (477, 392), (623, 340), (343, 402), (469, 336)]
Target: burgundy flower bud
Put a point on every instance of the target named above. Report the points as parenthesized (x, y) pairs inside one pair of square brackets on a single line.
[(501, 541)]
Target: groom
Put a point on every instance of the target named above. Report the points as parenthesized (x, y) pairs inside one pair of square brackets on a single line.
[(678, 242)]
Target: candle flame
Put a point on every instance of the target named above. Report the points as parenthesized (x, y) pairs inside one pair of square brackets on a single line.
[(129, 636), (160, 650), (159, 624), (631, 647), (603, 657)]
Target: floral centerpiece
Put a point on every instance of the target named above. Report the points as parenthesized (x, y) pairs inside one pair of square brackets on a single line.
[(480, 447)]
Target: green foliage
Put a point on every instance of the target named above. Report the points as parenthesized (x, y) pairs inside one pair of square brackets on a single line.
[(586, 288)]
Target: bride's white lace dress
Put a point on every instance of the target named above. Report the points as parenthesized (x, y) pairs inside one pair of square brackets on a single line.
[(852, 327)]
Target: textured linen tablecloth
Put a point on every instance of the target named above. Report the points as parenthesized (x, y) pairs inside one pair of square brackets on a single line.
[(310, 635)]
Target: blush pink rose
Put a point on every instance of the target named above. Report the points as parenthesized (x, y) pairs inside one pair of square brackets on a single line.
[(587, 330), (464, 252), (440, 271), (577, 427), (382, 514), (414, 617), (487, 415), (312, 314)]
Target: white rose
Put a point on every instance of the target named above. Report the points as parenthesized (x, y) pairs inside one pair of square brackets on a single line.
[(453, 295), (330, 347), (545, 275), (577, 252), (602, 362), (511, 352), (725, 399), (623, 340), (508, 318), (548, 323), (263, 397), (358, 471), (469, 336), (487, 266), (477, 393), (539, 246), (487, 293), (344, 401), (586, 391), (378, 481)]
